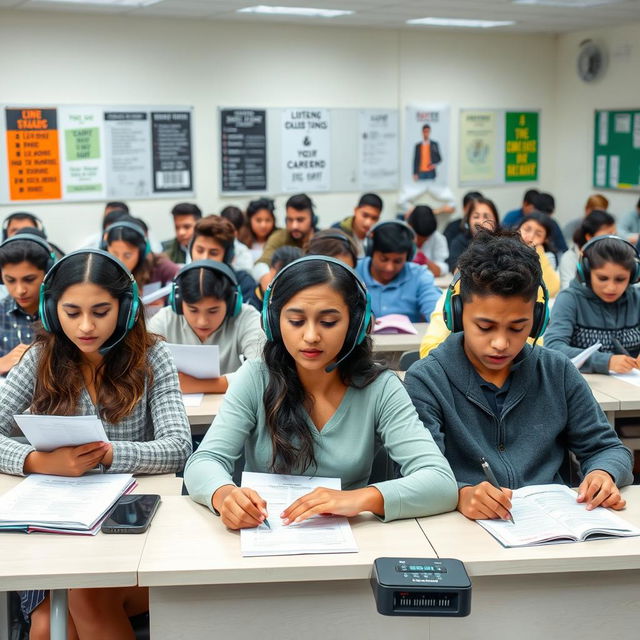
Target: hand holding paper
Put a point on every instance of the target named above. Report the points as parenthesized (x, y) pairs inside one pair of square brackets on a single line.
[(198, 361)]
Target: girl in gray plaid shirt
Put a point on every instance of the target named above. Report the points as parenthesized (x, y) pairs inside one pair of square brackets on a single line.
[(95, 356)]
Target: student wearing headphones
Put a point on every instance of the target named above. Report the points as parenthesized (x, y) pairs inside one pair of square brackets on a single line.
[(25, 258), (600, 305), (336, 244), (19, 220), (214, 239), (127, 240), (396, 284), (314, 405), (95, 355), (300, 225), (475, 395), (206, 308)]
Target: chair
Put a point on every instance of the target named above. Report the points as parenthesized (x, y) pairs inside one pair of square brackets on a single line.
[(407, 359)]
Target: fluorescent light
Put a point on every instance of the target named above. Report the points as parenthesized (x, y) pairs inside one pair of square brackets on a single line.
[(112, 3), (461, 22), (578, 4), (307, 12)]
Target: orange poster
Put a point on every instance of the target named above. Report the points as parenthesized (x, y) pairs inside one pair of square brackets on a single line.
[(33, 153)]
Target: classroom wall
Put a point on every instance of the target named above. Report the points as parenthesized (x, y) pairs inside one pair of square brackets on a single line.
[(576, 103), (73, 58)]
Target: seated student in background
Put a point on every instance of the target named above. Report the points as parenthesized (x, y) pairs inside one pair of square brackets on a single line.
[(185, 216), (334, 243), (481, 214), (25, 258), (597, 223), (485, 393), (281, 258), (600, 305), (535, 230), (242, 258), (19, 220), (396, 284), (206, 308), (629, 225), (456, 227), (545, 203), (127, 240), (214, 239), (314, 405), (433, 250), (594, 202), (516, 216), (260, 224), (300, 225), (95, 352), (365, 216)]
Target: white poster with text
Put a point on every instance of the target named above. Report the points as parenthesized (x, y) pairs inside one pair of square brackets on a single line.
[(378, 151)]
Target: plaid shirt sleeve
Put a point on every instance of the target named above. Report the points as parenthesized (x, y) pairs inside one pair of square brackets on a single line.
[(171, 446), (16, 395)]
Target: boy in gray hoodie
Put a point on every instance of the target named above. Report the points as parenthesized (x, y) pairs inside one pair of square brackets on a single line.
[(485, 393)]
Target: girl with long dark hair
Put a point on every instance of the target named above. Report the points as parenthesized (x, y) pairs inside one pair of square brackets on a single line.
[(95, 356), (314, 405)]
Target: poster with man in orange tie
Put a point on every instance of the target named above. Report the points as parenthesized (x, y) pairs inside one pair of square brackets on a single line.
[(426, 156)]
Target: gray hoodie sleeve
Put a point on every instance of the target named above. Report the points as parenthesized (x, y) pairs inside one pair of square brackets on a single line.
[(561, 327), (591, 438)]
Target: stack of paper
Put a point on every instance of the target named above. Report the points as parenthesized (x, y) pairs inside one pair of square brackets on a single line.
[(583, 356), (46, 433), (319, 534), (57, 504)]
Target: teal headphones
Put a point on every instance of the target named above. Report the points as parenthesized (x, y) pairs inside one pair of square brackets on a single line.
[(234, 304), (270, 323), (453, 304), (30, 237), (144, 246), (584, 265), (129, 301)]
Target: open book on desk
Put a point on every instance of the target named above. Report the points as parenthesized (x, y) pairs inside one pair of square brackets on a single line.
[(318, 534), (549, 514)]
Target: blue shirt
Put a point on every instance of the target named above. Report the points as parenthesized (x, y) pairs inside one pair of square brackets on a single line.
[(16, 326), (412, 292), (513, 218)]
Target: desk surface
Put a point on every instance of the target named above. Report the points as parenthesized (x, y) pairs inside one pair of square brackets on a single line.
[(188, 545), (50, 561), (206, 411), (399, 341), (628, 395), (454, 536)]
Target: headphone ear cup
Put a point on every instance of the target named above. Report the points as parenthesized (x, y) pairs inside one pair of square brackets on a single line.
[(367, 246), (230, 253), (235, 306), (538, 320), (456, 313), (367, 320), (125, 314), (264, 315), (51, 315), (175, 299)]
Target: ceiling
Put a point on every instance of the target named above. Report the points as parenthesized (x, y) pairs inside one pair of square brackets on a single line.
[(376, 13)]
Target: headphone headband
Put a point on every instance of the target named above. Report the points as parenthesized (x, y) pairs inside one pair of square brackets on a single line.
[(369, 241), (584, 264), (30, 237), (23, 214), (133, 226)]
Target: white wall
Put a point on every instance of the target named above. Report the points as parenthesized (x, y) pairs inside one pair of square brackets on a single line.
[(71, 58), (576, 103)]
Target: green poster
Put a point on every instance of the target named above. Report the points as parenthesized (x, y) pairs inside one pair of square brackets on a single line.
[(82, 144), (521, 146)]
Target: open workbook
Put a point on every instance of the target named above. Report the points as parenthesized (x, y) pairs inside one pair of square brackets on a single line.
[(549, 514), (57, 504)]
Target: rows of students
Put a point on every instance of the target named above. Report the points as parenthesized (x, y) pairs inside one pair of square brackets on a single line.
[(310, 398)]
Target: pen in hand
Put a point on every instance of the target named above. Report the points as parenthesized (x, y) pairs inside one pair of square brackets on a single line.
[(488, 474)]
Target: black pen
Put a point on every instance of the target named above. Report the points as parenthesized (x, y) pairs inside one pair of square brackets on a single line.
[(619, 348), (488, 474)]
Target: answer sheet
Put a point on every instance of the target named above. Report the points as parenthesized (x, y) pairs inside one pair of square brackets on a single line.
[(47, 433), (319, 534), (632, 378), (197, 360)]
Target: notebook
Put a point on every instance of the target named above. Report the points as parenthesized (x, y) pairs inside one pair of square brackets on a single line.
[(57, 504), (394, 323), (549, 514)]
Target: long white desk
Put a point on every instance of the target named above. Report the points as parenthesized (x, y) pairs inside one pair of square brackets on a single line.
[(385, 342), (201, 586), (586, 591), (61, 562)]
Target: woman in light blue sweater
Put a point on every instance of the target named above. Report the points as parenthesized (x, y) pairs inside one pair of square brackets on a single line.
[(314, 406)]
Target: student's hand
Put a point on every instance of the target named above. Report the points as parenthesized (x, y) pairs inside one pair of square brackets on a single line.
[(66, 461), (239, 507), (189, 384), (484, 501), (12, 358), (599, 490), (107, 458), (334, 502), (622, 364)]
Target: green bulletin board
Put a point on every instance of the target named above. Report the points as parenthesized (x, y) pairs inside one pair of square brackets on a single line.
[(521, 146), (616, 149)]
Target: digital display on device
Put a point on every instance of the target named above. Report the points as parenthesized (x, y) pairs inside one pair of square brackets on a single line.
[(132, 514)]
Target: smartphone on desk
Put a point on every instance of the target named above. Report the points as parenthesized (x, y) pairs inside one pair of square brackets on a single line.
[(131, 514)]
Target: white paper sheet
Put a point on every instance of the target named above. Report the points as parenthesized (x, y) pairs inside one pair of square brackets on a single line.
[(581, 358), (192, 399), (631, 378), (47, 433), (199, 361), (319, 534), (155, 293)]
